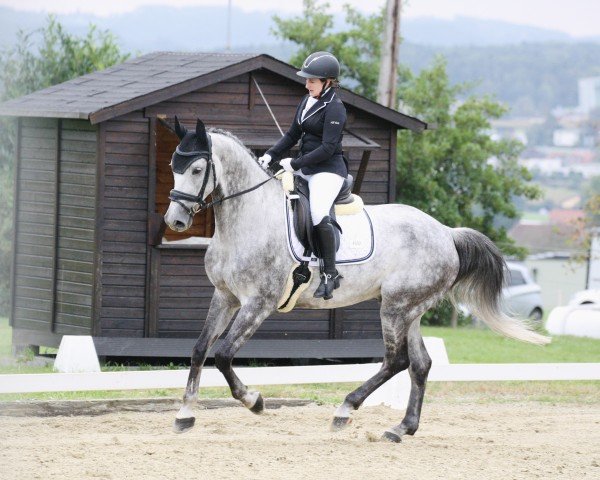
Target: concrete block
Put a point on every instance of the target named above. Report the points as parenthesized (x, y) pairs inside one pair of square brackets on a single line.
[(584, 322), (436, 348), (76, 354), (576, 320), (555, 324)]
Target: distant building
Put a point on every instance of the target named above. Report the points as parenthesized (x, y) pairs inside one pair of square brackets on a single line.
[(555, 236), (589, 93), (546, 166), (541, 238), (566, 216), (565, 137)]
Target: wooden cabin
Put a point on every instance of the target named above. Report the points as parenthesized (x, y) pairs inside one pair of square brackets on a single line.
[(92, 179)]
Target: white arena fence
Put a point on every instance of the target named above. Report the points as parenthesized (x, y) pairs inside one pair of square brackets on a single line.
[(394, 393)]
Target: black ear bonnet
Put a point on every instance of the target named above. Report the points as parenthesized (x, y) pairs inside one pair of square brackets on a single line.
[(191, 148), (181, 159)]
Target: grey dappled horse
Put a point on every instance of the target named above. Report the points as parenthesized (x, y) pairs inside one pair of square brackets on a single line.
[(417, 261)]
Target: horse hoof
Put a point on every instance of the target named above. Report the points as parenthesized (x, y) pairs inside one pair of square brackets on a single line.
[(340, 423), (258, 406), (391, 437), (182, 425)]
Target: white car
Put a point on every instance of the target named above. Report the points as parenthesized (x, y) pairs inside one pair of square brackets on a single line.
[(521, 296), (586, 297)]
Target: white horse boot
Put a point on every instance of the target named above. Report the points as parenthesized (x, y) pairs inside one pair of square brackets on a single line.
[(330, 278)]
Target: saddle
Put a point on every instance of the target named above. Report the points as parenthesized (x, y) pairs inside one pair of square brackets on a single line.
[(298, 195), (301, 210)]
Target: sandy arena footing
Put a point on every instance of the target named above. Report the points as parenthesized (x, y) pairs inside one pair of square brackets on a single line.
[(457, 441)]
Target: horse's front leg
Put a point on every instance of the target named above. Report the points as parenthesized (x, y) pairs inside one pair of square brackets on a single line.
[(222, 308), (249, 318)]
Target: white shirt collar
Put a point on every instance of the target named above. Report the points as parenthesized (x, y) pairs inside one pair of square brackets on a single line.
[(311, 101)]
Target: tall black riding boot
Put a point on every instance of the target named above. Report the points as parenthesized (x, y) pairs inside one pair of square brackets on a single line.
[(330, 278)]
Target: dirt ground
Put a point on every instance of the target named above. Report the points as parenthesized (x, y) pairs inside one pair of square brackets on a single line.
[(455, 441)]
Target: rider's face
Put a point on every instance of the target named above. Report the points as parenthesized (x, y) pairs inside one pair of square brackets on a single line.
[(315, 86)]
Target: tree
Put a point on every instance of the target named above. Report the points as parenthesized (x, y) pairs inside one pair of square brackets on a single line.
[(581, 235), (457, 172), (359, 46), (25, 69)]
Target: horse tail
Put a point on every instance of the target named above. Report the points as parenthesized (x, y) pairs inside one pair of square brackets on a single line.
[(479, 283)]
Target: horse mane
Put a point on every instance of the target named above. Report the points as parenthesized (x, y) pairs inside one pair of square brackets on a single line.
[(227, 133)]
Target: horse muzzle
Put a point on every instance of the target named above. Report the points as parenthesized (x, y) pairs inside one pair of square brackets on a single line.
[(178, 218)]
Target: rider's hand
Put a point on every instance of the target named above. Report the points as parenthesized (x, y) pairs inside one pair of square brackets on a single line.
[(264, 161), (286, 165)]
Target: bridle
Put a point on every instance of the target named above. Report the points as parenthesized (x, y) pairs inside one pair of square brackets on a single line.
[(198, 202)]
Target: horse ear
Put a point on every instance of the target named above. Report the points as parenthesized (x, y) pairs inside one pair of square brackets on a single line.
[(180, 130), (201, 137)]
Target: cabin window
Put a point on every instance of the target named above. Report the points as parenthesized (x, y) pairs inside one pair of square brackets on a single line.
[(203, 226)]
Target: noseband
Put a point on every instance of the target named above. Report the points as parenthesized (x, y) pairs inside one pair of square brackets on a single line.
[(180, 165)]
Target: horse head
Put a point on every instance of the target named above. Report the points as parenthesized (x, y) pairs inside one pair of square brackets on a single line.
[(194, 176)]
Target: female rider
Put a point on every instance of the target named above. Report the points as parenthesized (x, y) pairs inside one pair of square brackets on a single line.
[(318, 124)]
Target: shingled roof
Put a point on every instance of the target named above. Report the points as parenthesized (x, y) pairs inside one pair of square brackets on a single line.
[(159, 76)]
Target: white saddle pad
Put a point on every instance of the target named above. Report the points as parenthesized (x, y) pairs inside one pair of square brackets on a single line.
[(357, 241)]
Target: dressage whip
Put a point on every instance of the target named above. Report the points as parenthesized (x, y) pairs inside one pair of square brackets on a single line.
[(267, 104)]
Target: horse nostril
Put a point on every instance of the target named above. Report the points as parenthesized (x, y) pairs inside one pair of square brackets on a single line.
[(179, 224)]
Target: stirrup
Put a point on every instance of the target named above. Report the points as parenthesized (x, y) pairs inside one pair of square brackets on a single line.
[(328, 284)]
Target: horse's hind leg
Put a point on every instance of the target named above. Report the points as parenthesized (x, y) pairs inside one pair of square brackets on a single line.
[(420, 363), (222, 307), (249, 318), (395, 360)]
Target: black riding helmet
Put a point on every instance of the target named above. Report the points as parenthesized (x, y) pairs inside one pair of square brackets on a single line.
[(320, 65)]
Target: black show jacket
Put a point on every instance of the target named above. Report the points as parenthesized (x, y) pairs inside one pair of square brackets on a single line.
[(320, 136)]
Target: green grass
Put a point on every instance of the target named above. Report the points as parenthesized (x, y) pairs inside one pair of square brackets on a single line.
[(555, 392), (579, 392), (19, 364), (5, 337), (473, 345), (534, 216), (320, 393)]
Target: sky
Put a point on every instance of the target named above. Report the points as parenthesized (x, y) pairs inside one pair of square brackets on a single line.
[(578, 18)]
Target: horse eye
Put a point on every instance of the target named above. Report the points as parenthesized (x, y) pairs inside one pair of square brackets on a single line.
[(196, 171)]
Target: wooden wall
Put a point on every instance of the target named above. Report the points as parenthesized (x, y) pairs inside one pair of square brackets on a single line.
[(54, 226), (184, 293), (123, 240), (76, 226), (378, 185)]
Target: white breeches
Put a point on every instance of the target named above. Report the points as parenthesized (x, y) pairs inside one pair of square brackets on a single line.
[(324, 188)]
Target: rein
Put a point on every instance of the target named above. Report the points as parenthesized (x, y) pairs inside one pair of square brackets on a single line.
[(199, 204)]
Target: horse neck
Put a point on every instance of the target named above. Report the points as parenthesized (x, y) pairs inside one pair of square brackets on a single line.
[(238, 171)]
